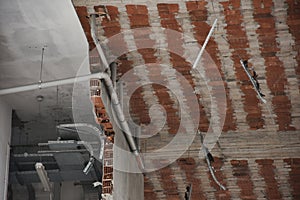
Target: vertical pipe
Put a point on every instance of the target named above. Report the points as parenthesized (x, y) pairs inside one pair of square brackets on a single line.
[(121, 92), (113, 73), (96, 41), (114, 97), (56, 191), (6, 171), (31, 192)]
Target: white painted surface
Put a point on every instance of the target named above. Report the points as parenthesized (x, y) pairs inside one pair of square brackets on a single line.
[(25, 28), (5, 133)]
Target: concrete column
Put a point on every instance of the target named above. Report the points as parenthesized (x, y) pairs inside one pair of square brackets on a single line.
[(57, 191), (5, 134)]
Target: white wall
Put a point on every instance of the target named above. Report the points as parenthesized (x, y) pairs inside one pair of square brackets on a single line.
[(5, 133)]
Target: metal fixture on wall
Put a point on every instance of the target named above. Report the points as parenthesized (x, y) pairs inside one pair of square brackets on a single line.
[(89, 166)]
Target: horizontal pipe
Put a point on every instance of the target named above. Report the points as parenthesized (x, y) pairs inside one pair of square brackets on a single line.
[(63, 151), (97, 130), (41, 85), (21, 155)]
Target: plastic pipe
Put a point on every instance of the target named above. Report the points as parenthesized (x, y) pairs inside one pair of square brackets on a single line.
[(47, 84), (205, 43)]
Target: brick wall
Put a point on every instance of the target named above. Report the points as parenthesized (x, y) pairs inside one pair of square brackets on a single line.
[(258, 150)]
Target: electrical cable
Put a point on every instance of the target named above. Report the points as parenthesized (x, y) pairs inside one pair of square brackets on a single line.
[(267, 106), (211, 170)]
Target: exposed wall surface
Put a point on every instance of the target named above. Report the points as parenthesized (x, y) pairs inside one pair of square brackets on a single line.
[(5, 133), (257, 154), (126, 185), (71, 191)]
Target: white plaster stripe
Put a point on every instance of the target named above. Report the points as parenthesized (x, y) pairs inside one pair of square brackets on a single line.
[(258, 181), (225, 56), (168, 72), (191, 45), (282, 177), (231, 180), (180, 178), (148, 93), (215, 109), (203, 173), (286, 54), (258, 62), (154, 177)]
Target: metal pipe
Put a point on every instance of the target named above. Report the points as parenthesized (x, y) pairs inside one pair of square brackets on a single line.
[(89, 166), (97, 130), (117, 108), (108, 83), (120, 115), (96, 41), (42, 173), (63, 151), (47, 84), (204, 44), (113, 72), (121, 92), (6, 176), (100, 135), (21, 155)]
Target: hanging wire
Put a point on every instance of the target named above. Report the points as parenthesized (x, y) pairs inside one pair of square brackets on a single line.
[(56, 114), (228, 43), (211, 170), (267, 105), (212, 3), (234, 48), (39, 117), (41, 70), (215, 13), (40, 87)]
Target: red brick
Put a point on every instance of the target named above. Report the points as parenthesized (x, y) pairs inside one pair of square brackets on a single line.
[(83, 18), (242, 172), (266, 170), (294, 173)]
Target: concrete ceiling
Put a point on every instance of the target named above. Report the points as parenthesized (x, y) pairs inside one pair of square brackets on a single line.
[(25, 28)]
